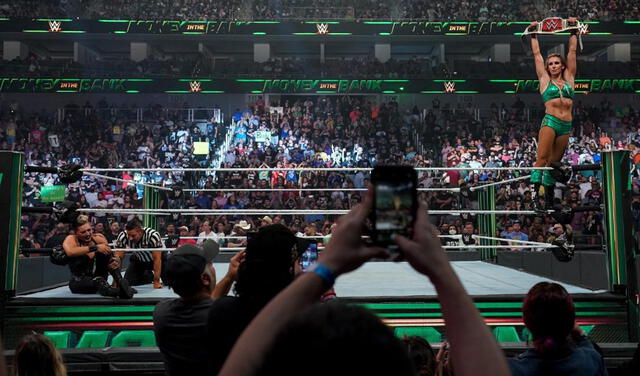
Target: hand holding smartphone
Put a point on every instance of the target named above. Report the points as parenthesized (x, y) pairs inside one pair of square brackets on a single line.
[(394, 204)]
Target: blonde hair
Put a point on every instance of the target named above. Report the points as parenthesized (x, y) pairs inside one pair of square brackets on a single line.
[(563, 61), (80, 221), (36, 355)]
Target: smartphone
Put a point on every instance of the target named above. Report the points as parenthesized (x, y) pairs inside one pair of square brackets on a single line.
[(309, 256), (394, 203)]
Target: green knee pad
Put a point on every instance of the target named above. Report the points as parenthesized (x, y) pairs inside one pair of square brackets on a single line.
[(536, 176), (547, 179)]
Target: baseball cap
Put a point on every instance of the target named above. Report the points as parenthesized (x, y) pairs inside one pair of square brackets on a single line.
[(183, 228), (188, 261)]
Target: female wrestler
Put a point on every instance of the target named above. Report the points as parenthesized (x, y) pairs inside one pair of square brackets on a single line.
[(556, 77)]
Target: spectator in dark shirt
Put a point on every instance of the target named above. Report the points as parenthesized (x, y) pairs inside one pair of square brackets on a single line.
[(180, 324), (267, 269)]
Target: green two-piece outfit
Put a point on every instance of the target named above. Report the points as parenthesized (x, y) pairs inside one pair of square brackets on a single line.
[(561, 127)]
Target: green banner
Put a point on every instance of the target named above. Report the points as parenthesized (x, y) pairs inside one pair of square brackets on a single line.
[(317, 28), (52, 193), (213, 85)]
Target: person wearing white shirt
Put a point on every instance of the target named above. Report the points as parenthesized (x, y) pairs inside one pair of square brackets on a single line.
[(207, 233)]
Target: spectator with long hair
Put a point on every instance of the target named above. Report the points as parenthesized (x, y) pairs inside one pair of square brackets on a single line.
[(560, 347), (37, 356)]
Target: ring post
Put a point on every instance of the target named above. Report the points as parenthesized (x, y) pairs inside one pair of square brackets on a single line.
[(11, 179), (621, 255), (151, 201), (487, 222)]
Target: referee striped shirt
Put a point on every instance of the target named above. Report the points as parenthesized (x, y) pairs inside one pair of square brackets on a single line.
[(150, 239)]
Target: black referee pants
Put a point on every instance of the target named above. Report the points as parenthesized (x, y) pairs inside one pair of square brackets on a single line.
[(141, 272)]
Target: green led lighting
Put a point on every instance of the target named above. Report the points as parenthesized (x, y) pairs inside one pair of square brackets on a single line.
[(212, 92), (412, 314), (85, 318), (256, 91), (401, 87), (518, 34), (201, 22), (305, 34), (599, 33), (509, 92), (249, 80), (466, 92), (519, 23), (395, 80), (140, 79), (132, 91), (503, 80), (322, 22), (378, 22), (53, 19), (449, 80), (325, 92), (119, 32), (114, 21), (421, 306), (340, 34), (432, 91), (455, 34), (193, 32), (195, 79), (259, 33), (4, 19), (384, 33), (177, 91), (591, 22), (632, 22), (73, 31), (581, 92), (66, 91), (389, 92), (266, 22), (35, 31), (637, 91)]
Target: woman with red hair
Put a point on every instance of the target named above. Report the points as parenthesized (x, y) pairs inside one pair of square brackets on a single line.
[(560, 347)]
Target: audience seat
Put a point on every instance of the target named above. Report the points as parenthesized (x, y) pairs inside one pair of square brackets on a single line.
[(61, 339), (134, 338), (506, 334), (426, 332), (94, 339)]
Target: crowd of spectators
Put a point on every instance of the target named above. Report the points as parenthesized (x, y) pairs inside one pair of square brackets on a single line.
[(457, 10), (315, 132)]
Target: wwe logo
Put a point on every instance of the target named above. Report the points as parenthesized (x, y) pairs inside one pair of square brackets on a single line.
[(449, 86), (194, 86), (552, 24), (322, 28), (55, 26), (583, 29)]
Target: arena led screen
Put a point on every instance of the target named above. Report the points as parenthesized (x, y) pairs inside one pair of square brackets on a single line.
[(293, 28), (301, 86)]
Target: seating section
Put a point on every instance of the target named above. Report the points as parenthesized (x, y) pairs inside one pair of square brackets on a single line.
[(506, 334), (145, 338), (102, 338)]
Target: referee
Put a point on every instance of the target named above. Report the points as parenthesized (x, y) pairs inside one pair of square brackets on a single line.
[(144, 266)]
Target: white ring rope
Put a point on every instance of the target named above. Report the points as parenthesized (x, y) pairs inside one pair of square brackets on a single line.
[(237, 249), (126, 181), (454, 189), (318, 169), (290, 211), (477, 187), (508, 240)]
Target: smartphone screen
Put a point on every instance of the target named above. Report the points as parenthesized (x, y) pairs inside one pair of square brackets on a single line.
[(309, 256), (394, 203)]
